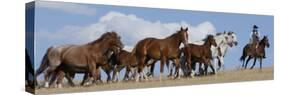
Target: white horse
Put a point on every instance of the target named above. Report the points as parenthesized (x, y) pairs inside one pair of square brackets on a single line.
[(224, 41)]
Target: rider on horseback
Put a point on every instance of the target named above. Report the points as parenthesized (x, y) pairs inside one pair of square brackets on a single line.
[(255, 37), (254, 41)]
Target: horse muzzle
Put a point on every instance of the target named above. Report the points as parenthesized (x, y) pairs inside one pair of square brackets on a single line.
[(235, 43)]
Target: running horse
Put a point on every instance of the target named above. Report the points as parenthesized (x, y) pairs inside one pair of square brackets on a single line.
[(252, 52), (159, 49), (122, 60), (199, 53), (85, 58)]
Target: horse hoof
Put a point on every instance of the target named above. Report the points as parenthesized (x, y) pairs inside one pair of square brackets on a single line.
[(59, 86), (137, 80), (109, 82), (46, 85)]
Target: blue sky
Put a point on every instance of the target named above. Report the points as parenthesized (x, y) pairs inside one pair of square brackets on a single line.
[(59, 23)]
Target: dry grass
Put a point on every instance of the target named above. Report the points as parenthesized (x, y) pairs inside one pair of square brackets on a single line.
[(221, 77)]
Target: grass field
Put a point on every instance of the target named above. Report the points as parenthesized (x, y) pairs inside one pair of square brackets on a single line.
[(221, 77)]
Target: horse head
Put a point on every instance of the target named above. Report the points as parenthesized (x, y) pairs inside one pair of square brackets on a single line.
[(211, 40), (183, 35), (111, 42), (265, 41), (115, 43), (231, 39)]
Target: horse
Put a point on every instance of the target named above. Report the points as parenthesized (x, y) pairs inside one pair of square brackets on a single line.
[(122, 60), (80, 58), (251, 51), (199, 53), (224, 40), (159, 49)]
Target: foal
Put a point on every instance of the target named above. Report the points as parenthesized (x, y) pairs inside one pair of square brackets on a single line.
[(199, 53), (122, 60)]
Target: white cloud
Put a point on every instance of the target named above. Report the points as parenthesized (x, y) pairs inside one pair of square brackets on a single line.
[(67, 7), (131, 29)]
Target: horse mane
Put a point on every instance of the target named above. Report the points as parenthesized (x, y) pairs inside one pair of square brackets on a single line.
[(207, 37), (230, 32), (99, 39), (217, 34), (174, 34), (262, 40)]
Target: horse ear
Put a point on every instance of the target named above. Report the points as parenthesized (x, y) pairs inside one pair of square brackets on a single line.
[(186, 29), (181, 28)]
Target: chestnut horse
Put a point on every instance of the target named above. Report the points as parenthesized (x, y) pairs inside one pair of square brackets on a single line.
[(80, 58), (199, 53), (159, 49), (251, 51)]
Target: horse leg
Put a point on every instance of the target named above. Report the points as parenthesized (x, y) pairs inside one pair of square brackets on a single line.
[(108, 77), (85, 80), (243, 62), (57, 74), (126, 76), (221, 61), (114, 73), (60, 77), (260, 63), (170, 68), (249, 58), (201, 68), (133, 72), (140, 68), (190, 66), (177, 63), (213, 69), (93, 70), (206, 69), (163, 60), (69, 77), (254, 63), (53, 78), (152, 68), (47, 74)]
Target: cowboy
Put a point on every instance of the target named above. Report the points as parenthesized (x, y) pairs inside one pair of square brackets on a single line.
[(255, 37)]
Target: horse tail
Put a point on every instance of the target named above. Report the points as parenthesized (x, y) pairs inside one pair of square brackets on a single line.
[(242, 58), (44, 64)]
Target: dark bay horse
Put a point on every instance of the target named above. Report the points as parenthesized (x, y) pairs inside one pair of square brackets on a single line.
[(122, 60), (160, 49), (252, 52), (199, 53), (80, 58)]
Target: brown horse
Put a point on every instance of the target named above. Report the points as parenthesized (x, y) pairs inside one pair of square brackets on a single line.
[(159, 49), (251, 51), (59, 74), (80, 58), (122, 60), (199, 53)]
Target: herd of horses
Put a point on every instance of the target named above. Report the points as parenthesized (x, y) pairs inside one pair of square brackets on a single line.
[(106, 53)]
